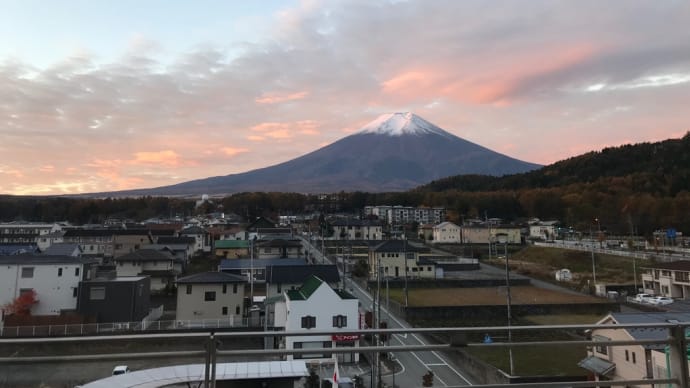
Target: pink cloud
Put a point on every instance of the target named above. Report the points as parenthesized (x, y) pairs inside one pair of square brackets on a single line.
[(233, 151), (274, 98), (166, 158)]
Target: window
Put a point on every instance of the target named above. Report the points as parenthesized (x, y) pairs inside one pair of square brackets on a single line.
[(209, 296), (308, 322), (339, 321), (234, 288), (634, 360), (601, 349), (27, 272), (74, 292), (189, 289), (237, 310), (97, 293), (225, 310), (279, 288), (76, 271), (225, 288), (627, 356), (59, 271)]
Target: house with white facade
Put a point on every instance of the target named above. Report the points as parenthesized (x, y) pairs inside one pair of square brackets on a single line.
[(160, 266), (317, 306), (278, 249), (446, 233), (282, 278), (202, 242), (398, 258), (543, 230), (26, 232), (352, 229), (667, 279), (54, 279), (630, 362), (210, 295)]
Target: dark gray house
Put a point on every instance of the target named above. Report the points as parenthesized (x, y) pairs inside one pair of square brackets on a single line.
[(285, 277), (115, 299)]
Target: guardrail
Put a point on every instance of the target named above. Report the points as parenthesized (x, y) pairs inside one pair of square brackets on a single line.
[(121, 327), (676, 373)]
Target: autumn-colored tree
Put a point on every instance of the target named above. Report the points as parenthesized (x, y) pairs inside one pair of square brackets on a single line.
[(21, 306)]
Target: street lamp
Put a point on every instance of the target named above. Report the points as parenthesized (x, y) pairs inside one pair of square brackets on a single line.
[(503, 239)]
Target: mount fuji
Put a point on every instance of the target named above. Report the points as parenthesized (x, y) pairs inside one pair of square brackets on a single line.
[(395, 152)]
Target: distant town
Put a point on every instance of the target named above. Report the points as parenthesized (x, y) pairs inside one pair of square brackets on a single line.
[(333, 273)]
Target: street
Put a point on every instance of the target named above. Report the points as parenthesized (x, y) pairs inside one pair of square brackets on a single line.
[(411, 365)]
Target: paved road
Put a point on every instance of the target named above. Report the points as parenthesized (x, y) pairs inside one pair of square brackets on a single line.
[(411, 365)]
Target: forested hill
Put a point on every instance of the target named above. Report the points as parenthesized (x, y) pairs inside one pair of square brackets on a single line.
[(661, 168)]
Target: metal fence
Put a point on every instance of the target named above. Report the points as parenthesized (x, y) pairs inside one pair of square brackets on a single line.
[(674, 373), (121, 327)]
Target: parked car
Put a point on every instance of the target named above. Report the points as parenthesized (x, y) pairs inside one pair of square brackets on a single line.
[(120, 370), (661, 300), (644, 298)]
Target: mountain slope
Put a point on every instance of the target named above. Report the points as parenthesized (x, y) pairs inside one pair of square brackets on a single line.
[(395, 152), (652, 167)]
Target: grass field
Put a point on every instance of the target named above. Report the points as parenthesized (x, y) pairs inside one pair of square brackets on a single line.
[(542, 263), (487, 296)]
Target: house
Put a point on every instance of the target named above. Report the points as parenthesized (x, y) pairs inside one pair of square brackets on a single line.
[(490, 232), (54, 279), (352, 229), (25, 232), (210, 295), (543, 230), (231, 249), (278, 248), (180, 251), (44, 241), (64, 249), (93, 242), (243, 267), (446, 233), (475, 234), (290, 277), (162, 267), (426, 231), (115, 299), (317, 306), (129, 240), (667, 279), (201, 238), (393, 257), (630, 362), (8, 249)]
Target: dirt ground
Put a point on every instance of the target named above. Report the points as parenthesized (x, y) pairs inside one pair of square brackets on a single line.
[(490, 296)]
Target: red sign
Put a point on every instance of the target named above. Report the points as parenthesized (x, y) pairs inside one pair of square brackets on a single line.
[(345, 337)]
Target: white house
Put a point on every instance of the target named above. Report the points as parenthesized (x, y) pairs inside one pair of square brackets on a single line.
[(162, 267), (350, 229), (201, 238), (446, 232), (630, 362), (544, 230), (55, 279), (210, 295), (317, 306), (398, 258)]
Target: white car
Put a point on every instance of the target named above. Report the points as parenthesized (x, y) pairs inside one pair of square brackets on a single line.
[(661, 300), (644, 298), (120, 370)]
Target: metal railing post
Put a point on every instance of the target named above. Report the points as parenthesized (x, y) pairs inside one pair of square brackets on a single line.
[(678, 356), (207, 364)]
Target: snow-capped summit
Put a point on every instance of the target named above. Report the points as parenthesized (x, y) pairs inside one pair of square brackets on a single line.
[(397, 151), (401, 123)]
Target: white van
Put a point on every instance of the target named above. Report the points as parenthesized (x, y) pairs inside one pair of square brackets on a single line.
[(120, 370)]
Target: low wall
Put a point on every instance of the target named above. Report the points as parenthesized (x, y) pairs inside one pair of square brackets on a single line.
[(499, 311), (450, 283)]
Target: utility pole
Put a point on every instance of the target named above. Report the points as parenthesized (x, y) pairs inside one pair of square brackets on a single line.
[(508, 300)]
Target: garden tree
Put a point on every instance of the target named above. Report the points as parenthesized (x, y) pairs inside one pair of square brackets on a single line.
[(428, 379), (21, 306), (360, 269), (313, 380)]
